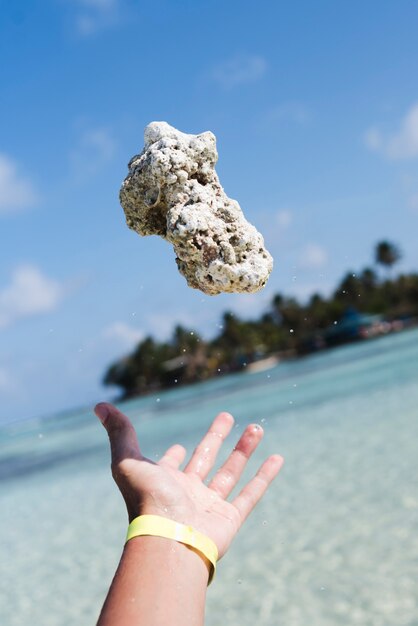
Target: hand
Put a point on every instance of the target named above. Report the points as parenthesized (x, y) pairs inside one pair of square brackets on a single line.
[(163, 489)]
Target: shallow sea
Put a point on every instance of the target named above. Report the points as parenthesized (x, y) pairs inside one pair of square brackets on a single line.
[(335, 541)]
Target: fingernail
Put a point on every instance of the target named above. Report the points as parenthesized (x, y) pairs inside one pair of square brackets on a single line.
[(101, 411)]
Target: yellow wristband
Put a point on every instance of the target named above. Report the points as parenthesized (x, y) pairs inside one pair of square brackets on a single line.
[(164, 527)]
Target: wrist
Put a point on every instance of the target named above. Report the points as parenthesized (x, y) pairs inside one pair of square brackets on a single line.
[(170, 558), (161, 581), (190, 537)]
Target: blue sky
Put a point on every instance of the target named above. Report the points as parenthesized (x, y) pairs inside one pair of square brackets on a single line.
[(315, 108)]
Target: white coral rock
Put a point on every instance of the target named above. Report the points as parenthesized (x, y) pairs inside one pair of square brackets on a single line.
[(172, 190)]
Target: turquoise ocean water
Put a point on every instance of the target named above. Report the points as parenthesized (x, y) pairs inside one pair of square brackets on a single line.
[(335, 542)]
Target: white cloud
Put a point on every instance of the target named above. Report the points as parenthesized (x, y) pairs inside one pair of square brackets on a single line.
[(162, 325), (303, 291), (16, 190), (313, 256), (94, 15), (288, 112), (251, 305), (240, 70), (373, 139), (100, 141), (127, 336), (29, 293), (96, 147), (284, 218), (275, 226), (402, 144)]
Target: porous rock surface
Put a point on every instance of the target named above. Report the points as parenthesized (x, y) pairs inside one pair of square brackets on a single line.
[(172, 190)]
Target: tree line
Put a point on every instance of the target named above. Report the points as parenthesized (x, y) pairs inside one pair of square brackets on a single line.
[(286, 328)]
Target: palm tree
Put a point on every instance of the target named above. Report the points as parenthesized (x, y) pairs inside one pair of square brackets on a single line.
[(387, 254)]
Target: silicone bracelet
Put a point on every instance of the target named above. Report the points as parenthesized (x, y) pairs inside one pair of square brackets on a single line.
[(163, 527)]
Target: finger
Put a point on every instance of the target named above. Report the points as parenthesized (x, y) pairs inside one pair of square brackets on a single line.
[(255, 489), (204, 455), (229, 474), (174, 456), (122, 435)]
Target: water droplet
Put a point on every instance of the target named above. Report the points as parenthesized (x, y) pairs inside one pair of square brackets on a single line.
[(157, 400), (219, 369), (257, 427), (265, 522), (175, 380), (165, 509), (322, 588), (268, 375), (291, 330), (263, 421), (239, 581), (335, 322), (290, 401), (295, 384), (191, 332), (40, 436)]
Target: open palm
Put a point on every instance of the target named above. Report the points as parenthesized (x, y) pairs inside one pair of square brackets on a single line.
[(182, 495)]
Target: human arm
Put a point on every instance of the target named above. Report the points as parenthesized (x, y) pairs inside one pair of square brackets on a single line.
[(159, 580)]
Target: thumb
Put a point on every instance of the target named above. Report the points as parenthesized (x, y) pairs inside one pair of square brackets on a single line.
[(122, 435)]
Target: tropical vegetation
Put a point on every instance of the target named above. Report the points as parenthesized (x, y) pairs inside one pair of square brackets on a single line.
[(287, 328)]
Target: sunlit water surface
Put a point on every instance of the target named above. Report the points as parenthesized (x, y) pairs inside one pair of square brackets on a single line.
[(334, 542)]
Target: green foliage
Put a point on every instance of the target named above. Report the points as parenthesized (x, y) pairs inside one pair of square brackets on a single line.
[(287, 327), (387, 254)]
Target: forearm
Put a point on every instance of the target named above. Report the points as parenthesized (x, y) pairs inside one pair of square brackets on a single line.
[(158, 582), (161, 581)]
